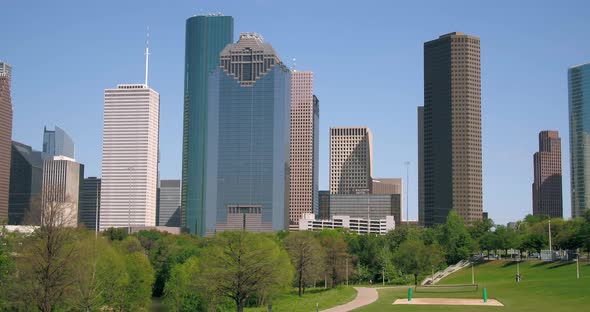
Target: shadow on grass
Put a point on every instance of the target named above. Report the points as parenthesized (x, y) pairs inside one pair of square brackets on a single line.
[(542, 263), (560, 264), (509, 264)]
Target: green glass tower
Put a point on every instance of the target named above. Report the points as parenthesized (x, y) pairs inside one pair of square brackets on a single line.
[(206, 36)]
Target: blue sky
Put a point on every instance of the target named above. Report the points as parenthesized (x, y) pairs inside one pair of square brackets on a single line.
[(368, 62)]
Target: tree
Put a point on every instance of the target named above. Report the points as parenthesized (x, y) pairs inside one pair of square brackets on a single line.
[(413, 257), (336, 250), (507, 238), (307, 257), (455, 239), (241, 265), (7, 267), (115, 234), (181, 293)]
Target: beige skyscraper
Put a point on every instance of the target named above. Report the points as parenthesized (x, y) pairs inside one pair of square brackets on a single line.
[(351, 160), (62, 178), (452, 128), (5, 137), (303, 184)]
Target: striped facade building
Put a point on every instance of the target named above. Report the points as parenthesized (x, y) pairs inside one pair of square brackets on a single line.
[(351, 161), (303, 183), (5, 137), (129, 156), (62, 178)]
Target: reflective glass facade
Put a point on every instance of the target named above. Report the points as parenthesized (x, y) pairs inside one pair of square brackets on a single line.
[(206, 36), (248, 138), (579, 114), (58, 143)]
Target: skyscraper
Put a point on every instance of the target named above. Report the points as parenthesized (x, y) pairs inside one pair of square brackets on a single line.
[(579, 110), (206, 36), (547, 193), (351, 160), (57, 143), (303, 184), (5, 137), (129, 156), (247, 176), (89, 202), (421, 165), (26, 180), (62, 178), (169, 203), (452, 128)]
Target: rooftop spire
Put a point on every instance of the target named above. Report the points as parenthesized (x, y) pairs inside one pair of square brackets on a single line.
[(147, 55)]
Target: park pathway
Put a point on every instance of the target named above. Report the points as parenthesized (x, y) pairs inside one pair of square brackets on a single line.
[(364, 296)]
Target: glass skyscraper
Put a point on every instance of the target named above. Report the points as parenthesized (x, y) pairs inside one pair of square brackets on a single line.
[(206, 36), (579, 114), (58, 143), (248, 122)]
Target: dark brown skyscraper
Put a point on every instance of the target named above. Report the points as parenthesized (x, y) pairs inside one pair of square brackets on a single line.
[(547, 194), (5, 137), (452, 128)]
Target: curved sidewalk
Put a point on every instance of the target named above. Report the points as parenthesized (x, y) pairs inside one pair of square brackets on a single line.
[(364, 296)]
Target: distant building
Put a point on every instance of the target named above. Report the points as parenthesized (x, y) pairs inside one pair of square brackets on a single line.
[(5, 137), (206, 37), (369, 206), (351, 160), (421, 165), (169, 203), (90, 202), (390, 186), (248, 123), (303, 182), (484, 215), (62, 178), (324, 211), (58, 143), (547, 192), (452, 129), (129, 179), (579, 110), (356, 225), (26, 180)]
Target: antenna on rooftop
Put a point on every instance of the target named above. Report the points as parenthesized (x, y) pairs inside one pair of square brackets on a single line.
[(294, 63), (147, 55)]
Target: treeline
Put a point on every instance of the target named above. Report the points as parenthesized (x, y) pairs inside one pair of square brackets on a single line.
[(64, 269)]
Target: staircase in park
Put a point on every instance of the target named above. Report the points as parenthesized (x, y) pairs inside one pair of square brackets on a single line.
[(444, 273)]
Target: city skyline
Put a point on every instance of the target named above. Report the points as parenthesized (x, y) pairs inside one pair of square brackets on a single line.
[(338, 109)]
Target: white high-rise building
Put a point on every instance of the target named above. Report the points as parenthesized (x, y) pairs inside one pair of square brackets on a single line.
[(303, 182), (351, 160), (130, 156)]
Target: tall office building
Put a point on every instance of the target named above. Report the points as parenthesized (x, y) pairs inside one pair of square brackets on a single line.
[(57, 143), (303, 184), (26, 180), (90, 202), (169, 203), (62, 179), (324, 206), (351, 160), (129, 156), (421, 165), (395, 188), (579, 110), (247, 176), (206, 36), (547, 193), (452, 129), (5, 137)]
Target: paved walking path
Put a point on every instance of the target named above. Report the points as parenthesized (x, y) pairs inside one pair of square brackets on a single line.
[(364, 296)]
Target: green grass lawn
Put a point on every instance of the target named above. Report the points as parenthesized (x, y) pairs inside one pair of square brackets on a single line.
[(326, 298), (545, 287)]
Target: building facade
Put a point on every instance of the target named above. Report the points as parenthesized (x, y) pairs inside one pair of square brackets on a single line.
[(547, 191), (421, 165), (391, 186), (248, 141), (303, 184), (368, 206), (324, 206), (206, 36), (169, 203), (62, 179), (58, 143), (579, 109), (90, 202), (452, 128), (129, 156), (351, 160), (5, 137), (308, 222), (26, 180)]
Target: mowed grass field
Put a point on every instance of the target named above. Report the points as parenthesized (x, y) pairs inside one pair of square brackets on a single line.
[(326, 298), (545, 287)]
